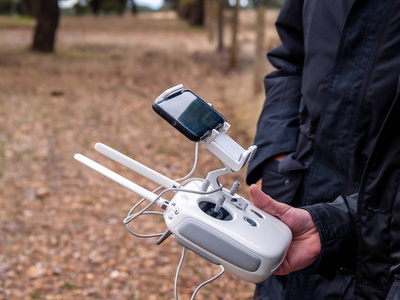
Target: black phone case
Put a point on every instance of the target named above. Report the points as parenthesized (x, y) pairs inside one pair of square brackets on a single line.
[(175, 123)]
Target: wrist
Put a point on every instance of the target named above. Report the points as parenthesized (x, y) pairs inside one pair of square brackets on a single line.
[(281, 156)]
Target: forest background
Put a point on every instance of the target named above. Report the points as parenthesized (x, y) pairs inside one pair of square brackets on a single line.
[(61, 230)]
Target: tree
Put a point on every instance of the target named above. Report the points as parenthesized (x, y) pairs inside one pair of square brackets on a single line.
[(121, 7), (214, 21), (96, 5), (220, 25), (29, 8), (48, 14), (196, 17), (260, 51), (235, 27), (191, 10), (209, 18), (173, 4), (134, 9)]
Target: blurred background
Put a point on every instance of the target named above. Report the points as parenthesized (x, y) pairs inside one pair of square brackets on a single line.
[(73, 73)]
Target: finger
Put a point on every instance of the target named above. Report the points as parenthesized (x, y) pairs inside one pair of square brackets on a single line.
[(266, 203)]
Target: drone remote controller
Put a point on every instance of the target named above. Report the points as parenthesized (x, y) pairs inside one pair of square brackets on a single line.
[(247, 242), (208, 219)]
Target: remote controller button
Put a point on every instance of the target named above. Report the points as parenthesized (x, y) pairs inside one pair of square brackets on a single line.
[(250, 221), (257, 214), (177, 210)]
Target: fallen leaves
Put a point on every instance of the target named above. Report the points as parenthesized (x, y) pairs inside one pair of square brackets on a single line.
[(61, 230)]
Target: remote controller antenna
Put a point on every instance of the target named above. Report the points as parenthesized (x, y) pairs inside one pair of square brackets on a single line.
[(135, 166), (121, 180)]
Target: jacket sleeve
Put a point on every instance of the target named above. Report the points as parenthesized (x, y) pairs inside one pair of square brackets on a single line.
[(336, 223), (277, 128)]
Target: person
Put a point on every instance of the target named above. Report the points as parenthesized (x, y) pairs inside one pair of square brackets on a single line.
[(361, 231), (336, 75)]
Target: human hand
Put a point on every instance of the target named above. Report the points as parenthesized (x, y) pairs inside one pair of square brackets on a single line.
[(305, 246)]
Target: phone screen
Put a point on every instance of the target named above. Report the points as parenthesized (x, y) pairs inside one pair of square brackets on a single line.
[(189, 114)]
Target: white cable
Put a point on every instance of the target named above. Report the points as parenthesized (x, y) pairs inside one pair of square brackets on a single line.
[(196, 156), (208, 281), (127, 219), (145, 235), (201, 285), (177, 273), (132, 216)]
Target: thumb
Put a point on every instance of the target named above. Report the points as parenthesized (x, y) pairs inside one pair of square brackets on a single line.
[(266, 203)]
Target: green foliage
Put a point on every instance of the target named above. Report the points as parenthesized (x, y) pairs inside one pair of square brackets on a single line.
[(267, 3), (173, 4), (7, 7), (87, 55), (35, 295), (17, 22), (109, 6), (68, 286), (106, 7), (81, 9)]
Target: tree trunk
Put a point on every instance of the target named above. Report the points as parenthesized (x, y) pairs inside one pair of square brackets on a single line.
[(192, 11), (96, 4), (220, 26), (134, 9), (234, 46), (196, 14), (259, 60), (46, 27), (208, 18), (121, 7), (29, 8)]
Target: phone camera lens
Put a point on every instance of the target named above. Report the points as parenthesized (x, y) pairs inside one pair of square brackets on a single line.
[(173, 123)]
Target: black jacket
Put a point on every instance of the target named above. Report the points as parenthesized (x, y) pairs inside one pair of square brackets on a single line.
[(336, 76), (365, 234)]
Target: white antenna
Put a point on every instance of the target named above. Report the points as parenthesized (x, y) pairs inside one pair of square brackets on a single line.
[(135, 166), (120, 180)]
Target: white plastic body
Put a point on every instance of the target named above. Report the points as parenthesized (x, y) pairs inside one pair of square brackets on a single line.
[(228, 151), (268, 240)]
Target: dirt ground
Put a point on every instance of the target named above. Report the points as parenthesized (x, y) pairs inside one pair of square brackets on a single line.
[(61, 230)]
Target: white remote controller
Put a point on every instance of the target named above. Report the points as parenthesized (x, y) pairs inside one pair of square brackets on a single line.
[(206, 218), (248, 242)]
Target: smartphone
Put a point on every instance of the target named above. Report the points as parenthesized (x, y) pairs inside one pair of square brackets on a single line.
[(189, 114)]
